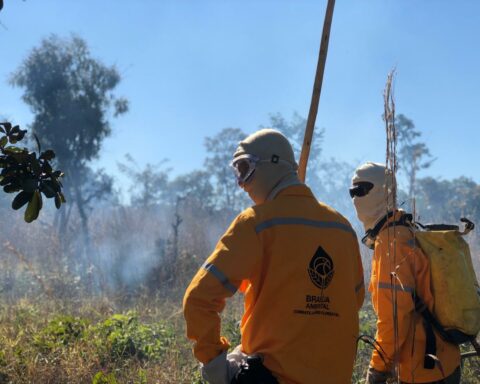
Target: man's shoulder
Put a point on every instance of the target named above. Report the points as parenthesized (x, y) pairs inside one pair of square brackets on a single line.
[(248, 214), (272, 210), (333, 214), (402, 234)]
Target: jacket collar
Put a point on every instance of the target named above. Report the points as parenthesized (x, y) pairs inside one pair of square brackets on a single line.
[(398, 216), (296, 190)]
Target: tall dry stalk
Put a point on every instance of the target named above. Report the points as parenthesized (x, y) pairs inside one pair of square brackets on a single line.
[(391, 202), (391, 133)]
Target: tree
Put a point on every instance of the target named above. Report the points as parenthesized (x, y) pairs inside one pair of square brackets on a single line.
[(294, 130), (150, 184), (335, 178), (448, 200), (220, 150), (71, 96), (196, 188), (413, 155)]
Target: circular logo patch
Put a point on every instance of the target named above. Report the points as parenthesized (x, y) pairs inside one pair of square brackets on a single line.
[(321, 269)]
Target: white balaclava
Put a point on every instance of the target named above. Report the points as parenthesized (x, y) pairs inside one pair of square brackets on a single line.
[(270, 177), (372, 207)]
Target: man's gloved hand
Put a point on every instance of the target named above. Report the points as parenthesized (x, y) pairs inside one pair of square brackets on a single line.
[(236, 358), (222, 369), (377, 377)]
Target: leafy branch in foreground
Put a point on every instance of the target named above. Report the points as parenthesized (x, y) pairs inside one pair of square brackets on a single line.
[(27, 173)]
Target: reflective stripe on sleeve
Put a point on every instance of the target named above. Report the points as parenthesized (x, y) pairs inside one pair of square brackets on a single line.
[(220, 276), (396, 286), (301, 221), (359, 287)]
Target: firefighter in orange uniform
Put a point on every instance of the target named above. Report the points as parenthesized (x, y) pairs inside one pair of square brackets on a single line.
[(297, 262), (400, 272)]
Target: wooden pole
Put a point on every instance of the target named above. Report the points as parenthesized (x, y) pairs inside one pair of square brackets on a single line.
[(317, 88)]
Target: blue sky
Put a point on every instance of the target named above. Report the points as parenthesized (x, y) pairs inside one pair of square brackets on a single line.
[(193, 67)]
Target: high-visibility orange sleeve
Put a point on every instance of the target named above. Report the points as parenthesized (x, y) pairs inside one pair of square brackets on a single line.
[(391, 276), (235, 256)]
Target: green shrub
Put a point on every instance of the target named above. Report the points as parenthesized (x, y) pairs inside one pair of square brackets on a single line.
[(102, 378), (60, 332), (124, 336), (231, 330)]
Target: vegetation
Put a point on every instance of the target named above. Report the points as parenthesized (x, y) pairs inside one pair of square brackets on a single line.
[(94, 344), (71, 96), (28, 173)]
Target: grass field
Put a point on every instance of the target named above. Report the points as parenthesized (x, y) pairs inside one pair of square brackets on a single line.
[(119, 340)]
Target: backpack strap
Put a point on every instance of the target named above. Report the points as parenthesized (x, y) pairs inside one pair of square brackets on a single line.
[(430, 346), (469, 226), (405, 220), (369, 239), (430, 324), (430, 341)]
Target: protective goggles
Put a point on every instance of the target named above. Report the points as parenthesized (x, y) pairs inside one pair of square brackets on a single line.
[(360, 189), (244, 167)]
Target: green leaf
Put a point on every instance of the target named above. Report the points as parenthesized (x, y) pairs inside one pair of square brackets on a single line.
[(48, 155), (11, 188), (58, 201), (40, 201), (47, 168), (29, 184), (48, 189), (13, 150), (36, 167), (21, 135), (6, 180), (33, 208), (19, 157), (3, 141), (21, 199), (7, 127)]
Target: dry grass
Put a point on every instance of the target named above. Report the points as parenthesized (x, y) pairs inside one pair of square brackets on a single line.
[(40, 286), (32, 351)]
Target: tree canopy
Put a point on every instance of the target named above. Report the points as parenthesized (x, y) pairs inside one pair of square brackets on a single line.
[(71, 96)]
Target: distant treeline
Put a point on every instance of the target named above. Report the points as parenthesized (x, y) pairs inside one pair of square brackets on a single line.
[(158, 240)]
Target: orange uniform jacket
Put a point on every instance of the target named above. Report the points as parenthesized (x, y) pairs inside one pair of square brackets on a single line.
[(298, 263), (411, 272)]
